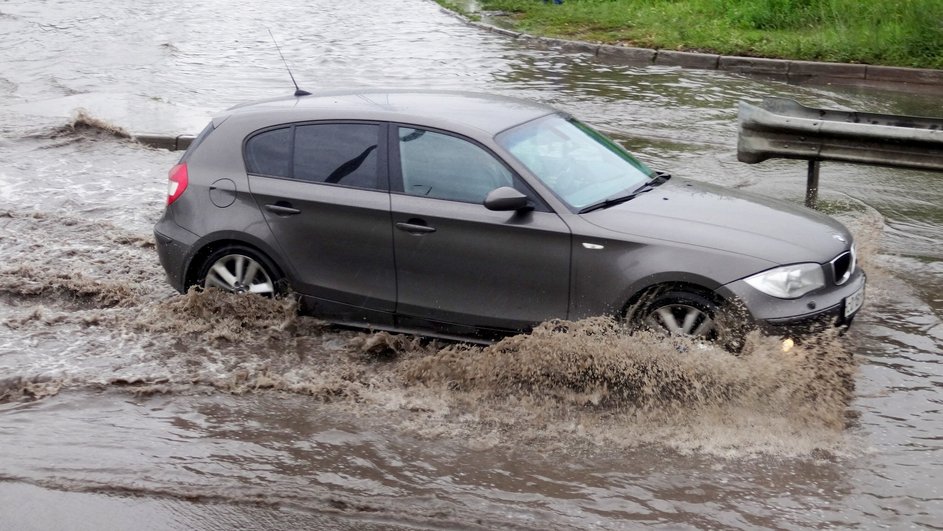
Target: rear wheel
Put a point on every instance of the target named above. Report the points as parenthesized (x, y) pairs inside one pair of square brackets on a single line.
[(238, 269)]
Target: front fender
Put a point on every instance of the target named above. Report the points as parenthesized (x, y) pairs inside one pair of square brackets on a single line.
[(605, 280)]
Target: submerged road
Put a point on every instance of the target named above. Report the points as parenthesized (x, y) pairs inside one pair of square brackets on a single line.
[(124, 404)]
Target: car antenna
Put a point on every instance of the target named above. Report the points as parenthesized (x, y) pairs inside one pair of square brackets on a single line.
[(298, 91)]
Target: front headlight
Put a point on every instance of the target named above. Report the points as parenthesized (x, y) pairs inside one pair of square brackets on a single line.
[(789, 282)]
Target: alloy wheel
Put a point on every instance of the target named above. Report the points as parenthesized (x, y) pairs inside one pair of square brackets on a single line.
[(238, 273), (681, 319)]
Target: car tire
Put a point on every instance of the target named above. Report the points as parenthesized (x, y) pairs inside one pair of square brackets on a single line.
[(680, 313), (240, 269)]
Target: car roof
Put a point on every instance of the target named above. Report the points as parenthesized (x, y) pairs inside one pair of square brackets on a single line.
[(489, 113)]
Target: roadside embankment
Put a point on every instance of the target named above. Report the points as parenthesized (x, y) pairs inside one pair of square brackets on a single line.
[(788, 70), (903, 33), (780, 69)]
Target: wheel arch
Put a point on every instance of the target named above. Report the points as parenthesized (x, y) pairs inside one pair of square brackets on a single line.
[(636, 301), (212, 243)]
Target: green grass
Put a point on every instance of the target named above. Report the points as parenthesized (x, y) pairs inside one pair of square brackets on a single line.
[(887, 32)]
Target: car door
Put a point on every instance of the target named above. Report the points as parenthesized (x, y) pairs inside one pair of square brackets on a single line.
[(323, 190), (459, 262)]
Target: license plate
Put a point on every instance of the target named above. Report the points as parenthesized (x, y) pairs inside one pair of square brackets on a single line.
[(854, 302)]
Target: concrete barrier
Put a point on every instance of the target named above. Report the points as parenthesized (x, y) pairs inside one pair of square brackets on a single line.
[(753, 65), (168, 142), (904, 75), (626, 55), (804, 70), (561, 45), (704, 61)]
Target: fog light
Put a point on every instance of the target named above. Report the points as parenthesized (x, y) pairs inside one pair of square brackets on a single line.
[(788, 344)]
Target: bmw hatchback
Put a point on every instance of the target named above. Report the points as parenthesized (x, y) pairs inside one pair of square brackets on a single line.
[(458, 214)]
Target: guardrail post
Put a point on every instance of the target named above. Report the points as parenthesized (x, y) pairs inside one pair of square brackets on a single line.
[(812, 184)]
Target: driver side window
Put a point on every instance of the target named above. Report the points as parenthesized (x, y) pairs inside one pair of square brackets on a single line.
[(446, 167)]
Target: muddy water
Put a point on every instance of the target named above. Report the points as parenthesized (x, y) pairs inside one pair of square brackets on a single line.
[(124, 404)]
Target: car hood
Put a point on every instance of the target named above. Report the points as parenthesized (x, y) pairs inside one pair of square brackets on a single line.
[(701, 214)]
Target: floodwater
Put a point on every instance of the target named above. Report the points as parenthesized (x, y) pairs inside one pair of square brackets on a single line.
[(124, 404)]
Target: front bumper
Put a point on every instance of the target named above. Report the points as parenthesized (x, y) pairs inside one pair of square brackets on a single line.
[(809, 324), (815, 312)]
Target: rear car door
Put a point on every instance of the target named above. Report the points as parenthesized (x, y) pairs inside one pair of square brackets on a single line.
[(323, 189), (458, 262)]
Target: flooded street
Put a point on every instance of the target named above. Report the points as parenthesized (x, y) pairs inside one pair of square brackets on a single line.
[(124, 404)]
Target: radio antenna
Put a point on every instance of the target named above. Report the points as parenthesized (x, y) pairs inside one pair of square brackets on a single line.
[(298, 91)]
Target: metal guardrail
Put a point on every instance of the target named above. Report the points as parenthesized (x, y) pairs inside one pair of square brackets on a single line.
[(783, 128)]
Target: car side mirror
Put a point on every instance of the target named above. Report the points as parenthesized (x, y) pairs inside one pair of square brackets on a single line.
[(507, 198)]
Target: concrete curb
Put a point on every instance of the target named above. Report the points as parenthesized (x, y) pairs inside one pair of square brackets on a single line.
[(780, 69), (168, 142)]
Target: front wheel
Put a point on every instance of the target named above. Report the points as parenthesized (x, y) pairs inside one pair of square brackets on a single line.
[(238, 269), (680, 313)]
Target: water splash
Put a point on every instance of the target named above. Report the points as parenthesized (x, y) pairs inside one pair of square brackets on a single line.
[(26, 281), (85, 124), (597, 362), (585, 382)]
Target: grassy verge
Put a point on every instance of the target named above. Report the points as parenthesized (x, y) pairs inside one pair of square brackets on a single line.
[(898, 32)]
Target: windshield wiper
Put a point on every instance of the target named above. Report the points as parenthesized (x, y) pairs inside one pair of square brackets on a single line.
[(617, 199), (659, 178)]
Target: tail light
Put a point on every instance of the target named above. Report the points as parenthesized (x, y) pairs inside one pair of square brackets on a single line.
[(177, 182)]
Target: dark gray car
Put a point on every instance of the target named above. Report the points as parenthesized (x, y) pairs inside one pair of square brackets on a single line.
[(464, 214)]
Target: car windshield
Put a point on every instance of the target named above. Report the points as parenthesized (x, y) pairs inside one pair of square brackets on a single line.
[(580, 165)]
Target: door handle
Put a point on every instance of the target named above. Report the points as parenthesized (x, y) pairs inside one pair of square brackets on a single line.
[(282, 209), (415, 226)]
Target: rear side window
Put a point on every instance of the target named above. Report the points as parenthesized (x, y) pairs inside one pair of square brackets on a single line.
[(332, 153), (344, 154), (269, 153)]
